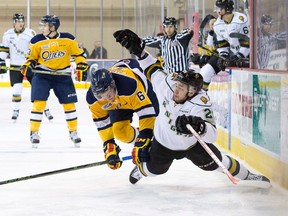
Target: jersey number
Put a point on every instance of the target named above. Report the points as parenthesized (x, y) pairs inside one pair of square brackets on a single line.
[(140, 95), (208, 114), (245, 30)]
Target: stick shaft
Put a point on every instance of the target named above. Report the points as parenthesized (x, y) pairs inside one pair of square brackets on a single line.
[(58, 73), (59, 171), (211, 153)]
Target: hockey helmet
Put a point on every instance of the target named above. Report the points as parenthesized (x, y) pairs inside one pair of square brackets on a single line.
[(170, 21), (18, 17), (266, 19), (53, 20), (191, 78), (100, 81), (227, 5)]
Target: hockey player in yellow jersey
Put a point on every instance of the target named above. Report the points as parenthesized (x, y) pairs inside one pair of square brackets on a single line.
[(50, 52), (114, 96)]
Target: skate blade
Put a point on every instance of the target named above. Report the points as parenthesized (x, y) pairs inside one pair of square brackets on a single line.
[(77, 145), (256, 184), (34, 146)]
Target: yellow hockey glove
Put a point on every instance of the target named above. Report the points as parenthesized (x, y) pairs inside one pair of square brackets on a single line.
[(111, 154), (81, 71)]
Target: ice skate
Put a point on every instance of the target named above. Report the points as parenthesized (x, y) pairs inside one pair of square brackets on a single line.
[(75, 138), (35, 139), (48, 115), (15, 115), (255, 177), (135, 175)]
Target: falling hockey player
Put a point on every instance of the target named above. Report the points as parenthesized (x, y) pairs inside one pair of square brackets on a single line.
[(182, 101)]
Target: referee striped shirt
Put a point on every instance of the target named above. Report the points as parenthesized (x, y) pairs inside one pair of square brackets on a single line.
[(174, 50)]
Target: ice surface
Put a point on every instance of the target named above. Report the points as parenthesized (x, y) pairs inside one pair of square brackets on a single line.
[(183, 190)]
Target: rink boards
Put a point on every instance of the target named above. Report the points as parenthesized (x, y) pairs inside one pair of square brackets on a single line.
[(252, 118)]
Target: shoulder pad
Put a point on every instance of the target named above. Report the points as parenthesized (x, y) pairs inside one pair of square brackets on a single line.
[(202, 99), (125, 85), (239, 17), (66, 35), (37, 38), (90, 99)]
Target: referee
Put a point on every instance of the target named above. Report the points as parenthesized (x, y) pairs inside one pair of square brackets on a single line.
[(174, 46)]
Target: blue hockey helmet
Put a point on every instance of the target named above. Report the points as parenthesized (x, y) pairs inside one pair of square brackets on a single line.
[(100, 81), (53, 20)]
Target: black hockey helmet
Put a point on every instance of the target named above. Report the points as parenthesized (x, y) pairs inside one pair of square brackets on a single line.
[(170, 21), (100, 81), (53, 20), (266, 19), (191, 78), (227, 5), (18, 17)]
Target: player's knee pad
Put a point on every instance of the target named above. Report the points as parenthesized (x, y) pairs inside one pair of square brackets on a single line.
[(207, 163), (38, 106), (69, 107), (17, 88), (123, 131)]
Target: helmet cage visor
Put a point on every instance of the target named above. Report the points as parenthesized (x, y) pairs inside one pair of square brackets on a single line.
[(100, 89)]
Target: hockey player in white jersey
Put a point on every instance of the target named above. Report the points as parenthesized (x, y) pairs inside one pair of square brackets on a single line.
[(15, 43), (182, 101), (232, 50)]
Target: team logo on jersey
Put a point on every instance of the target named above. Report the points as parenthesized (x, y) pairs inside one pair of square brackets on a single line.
[(46, 55), (106, 106), (204, 99), (241, 18)]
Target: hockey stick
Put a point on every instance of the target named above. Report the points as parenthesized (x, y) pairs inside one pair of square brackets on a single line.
[(211, 153), (212, 52), (239, 36), (58, 73), (60, 171)]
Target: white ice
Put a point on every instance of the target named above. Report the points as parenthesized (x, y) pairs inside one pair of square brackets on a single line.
[(183, 190)]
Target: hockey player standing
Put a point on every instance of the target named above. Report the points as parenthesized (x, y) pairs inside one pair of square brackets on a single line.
[(232, 51), (52, 51), (114, 96), (174, 46), (182, 101), (15, 43)]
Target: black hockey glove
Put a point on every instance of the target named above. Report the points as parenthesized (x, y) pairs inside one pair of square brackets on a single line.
[(3, 66), (235, 60), (204, 60), (197, 123), (111, 154), (130, 41), (223, 61)]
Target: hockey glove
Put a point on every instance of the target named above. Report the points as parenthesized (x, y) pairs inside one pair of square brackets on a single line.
[(235, 59), (111, 154), (223, 61), (81, 71), (239, 60), (197, 123), (3, 66), (26, 68), (140, 152), (130, 41)]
